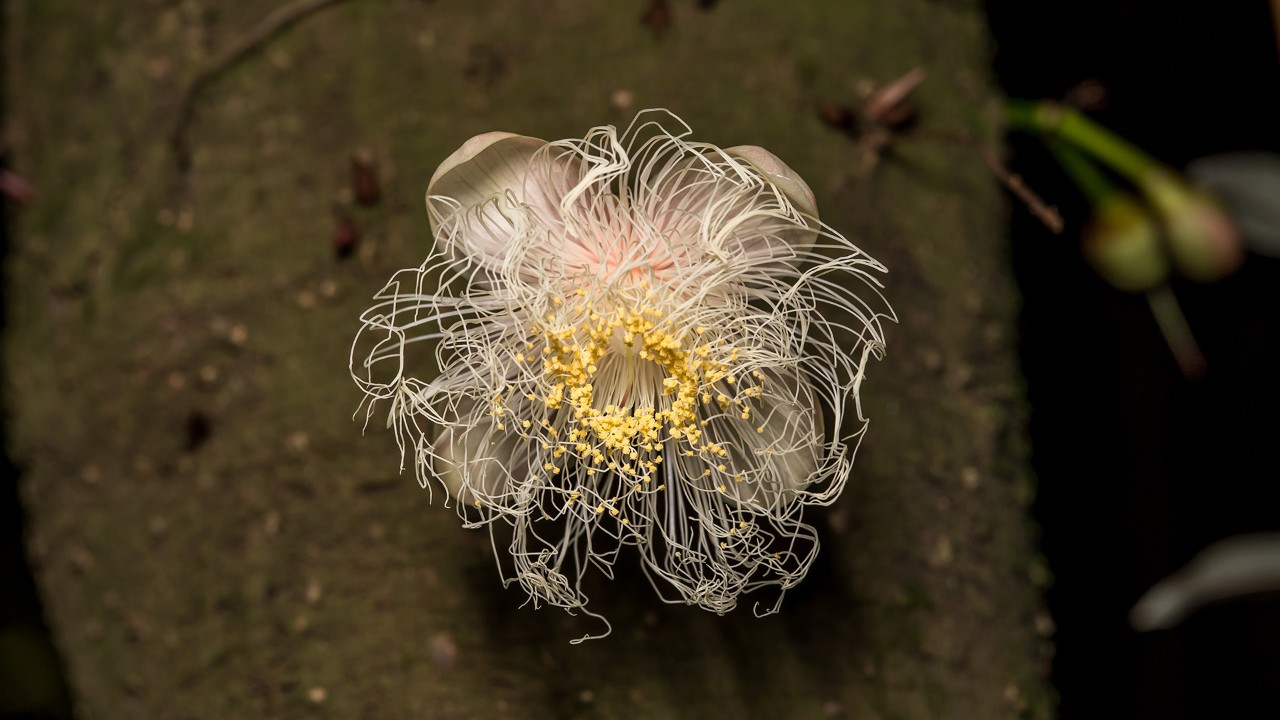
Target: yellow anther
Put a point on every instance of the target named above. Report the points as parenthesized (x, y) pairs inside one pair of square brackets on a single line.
[(572, 359)]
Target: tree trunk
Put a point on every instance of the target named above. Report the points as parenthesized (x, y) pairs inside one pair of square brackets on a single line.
[(214, 537)]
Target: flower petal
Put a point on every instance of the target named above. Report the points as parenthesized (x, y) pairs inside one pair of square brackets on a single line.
[(798, 235), (481, 465), (469, 150), (476, 196), (791, 184), (743, 205), (774, 453)]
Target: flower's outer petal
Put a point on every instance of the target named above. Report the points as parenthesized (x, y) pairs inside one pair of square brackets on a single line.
[(799, 237), (742, 204), (727, 525), (471, 195), (457, 458), (773, 454), (791, 184), (480, 463), (469, 150), (789, 433)]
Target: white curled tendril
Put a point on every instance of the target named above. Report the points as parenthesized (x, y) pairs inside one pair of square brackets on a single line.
[(628, 344)]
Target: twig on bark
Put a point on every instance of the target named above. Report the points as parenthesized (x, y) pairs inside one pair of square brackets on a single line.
[(1046, 213), (888, 114), (255, 37)]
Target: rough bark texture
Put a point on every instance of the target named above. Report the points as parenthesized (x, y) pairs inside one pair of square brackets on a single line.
[(281, 567)]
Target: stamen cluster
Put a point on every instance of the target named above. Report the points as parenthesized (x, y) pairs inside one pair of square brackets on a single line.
[(637, 341)]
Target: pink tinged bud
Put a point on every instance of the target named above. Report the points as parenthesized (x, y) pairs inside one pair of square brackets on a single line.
[(1248, 183), (1122, 243), (1203, 241)]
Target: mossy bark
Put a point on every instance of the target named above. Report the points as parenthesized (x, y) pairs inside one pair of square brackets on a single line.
[(215, 538)]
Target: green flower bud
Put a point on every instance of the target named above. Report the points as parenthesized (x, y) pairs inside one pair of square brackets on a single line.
[(1122, 243), (1202, 239)]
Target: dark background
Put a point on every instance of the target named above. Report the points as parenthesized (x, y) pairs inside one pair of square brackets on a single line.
[(1139, 468)]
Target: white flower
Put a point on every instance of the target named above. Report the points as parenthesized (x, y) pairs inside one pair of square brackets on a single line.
[(635, 345)]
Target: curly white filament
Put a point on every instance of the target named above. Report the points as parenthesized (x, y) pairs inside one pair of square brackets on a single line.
[(635, 340)]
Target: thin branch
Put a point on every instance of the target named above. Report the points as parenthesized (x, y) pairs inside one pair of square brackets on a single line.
[(255, 37), (1046, 213)]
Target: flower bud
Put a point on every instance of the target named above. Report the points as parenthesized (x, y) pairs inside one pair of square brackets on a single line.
[(1203, 241), (1122, 243)]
